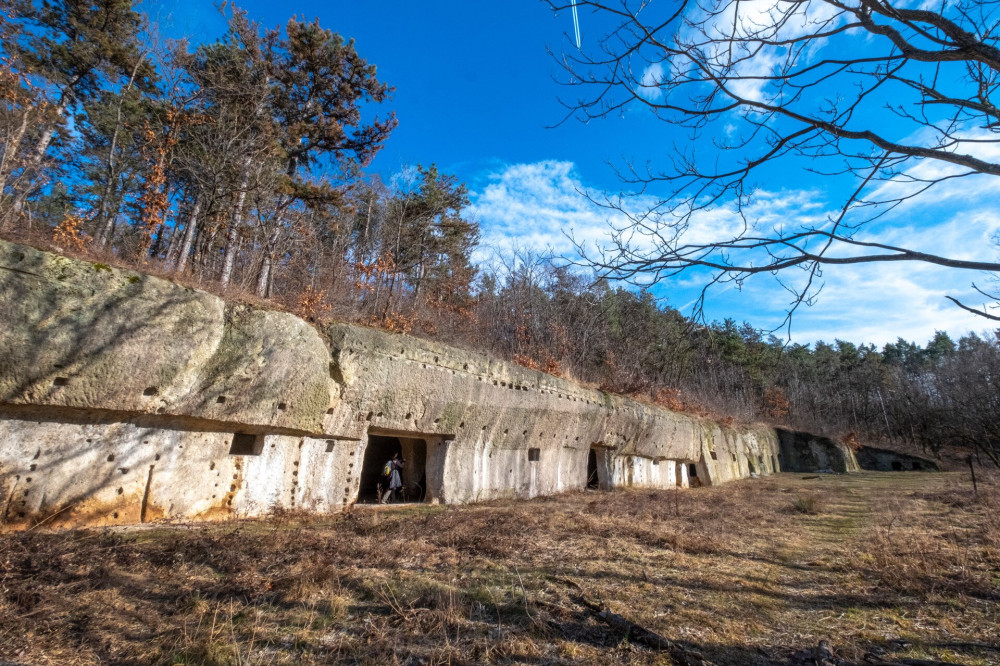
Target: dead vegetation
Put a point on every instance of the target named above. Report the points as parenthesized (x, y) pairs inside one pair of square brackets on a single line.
[(905, 566)]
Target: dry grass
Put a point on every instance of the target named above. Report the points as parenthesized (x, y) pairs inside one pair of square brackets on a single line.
[(908, 564)]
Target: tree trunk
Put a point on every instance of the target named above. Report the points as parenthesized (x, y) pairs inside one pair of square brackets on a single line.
[(232, 236), (368, 223), (107, 233), (266, 277), (154, 250), (38, 154), (36, 158), (175, 235), (109, 169), (189, 232), (264, 280), (102, 214), (9, 152)]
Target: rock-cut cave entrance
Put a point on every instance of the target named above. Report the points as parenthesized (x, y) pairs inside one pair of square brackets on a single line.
[(593, 481), (380, 450)]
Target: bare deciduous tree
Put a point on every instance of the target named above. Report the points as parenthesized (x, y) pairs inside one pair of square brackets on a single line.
[(889, 100)]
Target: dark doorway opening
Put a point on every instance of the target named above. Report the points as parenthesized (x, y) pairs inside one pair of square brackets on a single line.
[(593, 481), (897, 466), (693, 480), (379, 451)]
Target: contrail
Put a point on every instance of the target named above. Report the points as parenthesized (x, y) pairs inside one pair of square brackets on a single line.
[(576, 24)]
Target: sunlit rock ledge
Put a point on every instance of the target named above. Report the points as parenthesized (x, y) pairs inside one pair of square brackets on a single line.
[(126, 398)]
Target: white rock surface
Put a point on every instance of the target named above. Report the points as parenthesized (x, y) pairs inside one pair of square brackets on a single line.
[(125, 398)]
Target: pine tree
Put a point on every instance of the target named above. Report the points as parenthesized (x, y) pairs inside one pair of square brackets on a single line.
[(75, 49)]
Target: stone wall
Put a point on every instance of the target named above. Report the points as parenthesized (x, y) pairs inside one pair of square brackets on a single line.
[(127, 398)]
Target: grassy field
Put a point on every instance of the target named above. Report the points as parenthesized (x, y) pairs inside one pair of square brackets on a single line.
[(896, 566)]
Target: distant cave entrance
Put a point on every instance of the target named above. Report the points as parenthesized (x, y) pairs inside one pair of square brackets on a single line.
[(379, 451), (897, 466), (693, 480), (593, 481)]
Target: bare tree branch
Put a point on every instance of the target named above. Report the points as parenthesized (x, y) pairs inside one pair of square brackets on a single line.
[(848, 89)]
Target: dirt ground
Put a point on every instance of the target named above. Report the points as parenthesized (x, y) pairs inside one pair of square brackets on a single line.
[(884, 566)]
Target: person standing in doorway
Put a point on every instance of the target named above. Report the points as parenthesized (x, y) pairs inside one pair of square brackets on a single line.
[(393, 467)]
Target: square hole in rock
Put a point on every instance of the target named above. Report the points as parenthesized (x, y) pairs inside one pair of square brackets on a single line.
[(246, 445)]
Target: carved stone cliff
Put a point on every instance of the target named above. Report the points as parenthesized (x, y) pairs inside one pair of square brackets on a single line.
[(126, 398)]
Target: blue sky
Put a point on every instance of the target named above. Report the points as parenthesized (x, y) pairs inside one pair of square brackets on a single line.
[(475, 94)]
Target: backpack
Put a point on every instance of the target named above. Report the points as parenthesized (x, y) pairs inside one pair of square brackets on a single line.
[(387, 470)]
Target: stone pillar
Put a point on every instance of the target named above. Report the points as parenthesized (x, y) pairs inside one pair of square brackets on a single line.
[(670, 468), (436, 460), (414, 452)]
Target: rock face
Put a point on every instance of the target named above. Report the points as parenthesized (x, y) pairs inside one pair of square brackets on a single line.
[(885, 460), (803, 452), (126, 398)]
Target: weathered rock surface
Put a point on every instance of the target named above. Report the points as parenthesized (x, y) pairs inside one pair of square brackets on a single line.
[(887, 460), (128, 398), (805, 452), (85, 336)]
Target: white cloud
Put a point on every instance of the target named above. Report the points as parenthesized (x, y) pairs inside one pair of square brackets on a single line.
[(980, 144), (538, 206), (756, 21), (649, 84), (545, 206), (879, 302)]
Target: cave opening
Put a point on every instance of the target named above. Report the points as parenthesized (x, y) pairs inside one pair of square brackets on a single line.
[(378, 452), (593, 480)]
